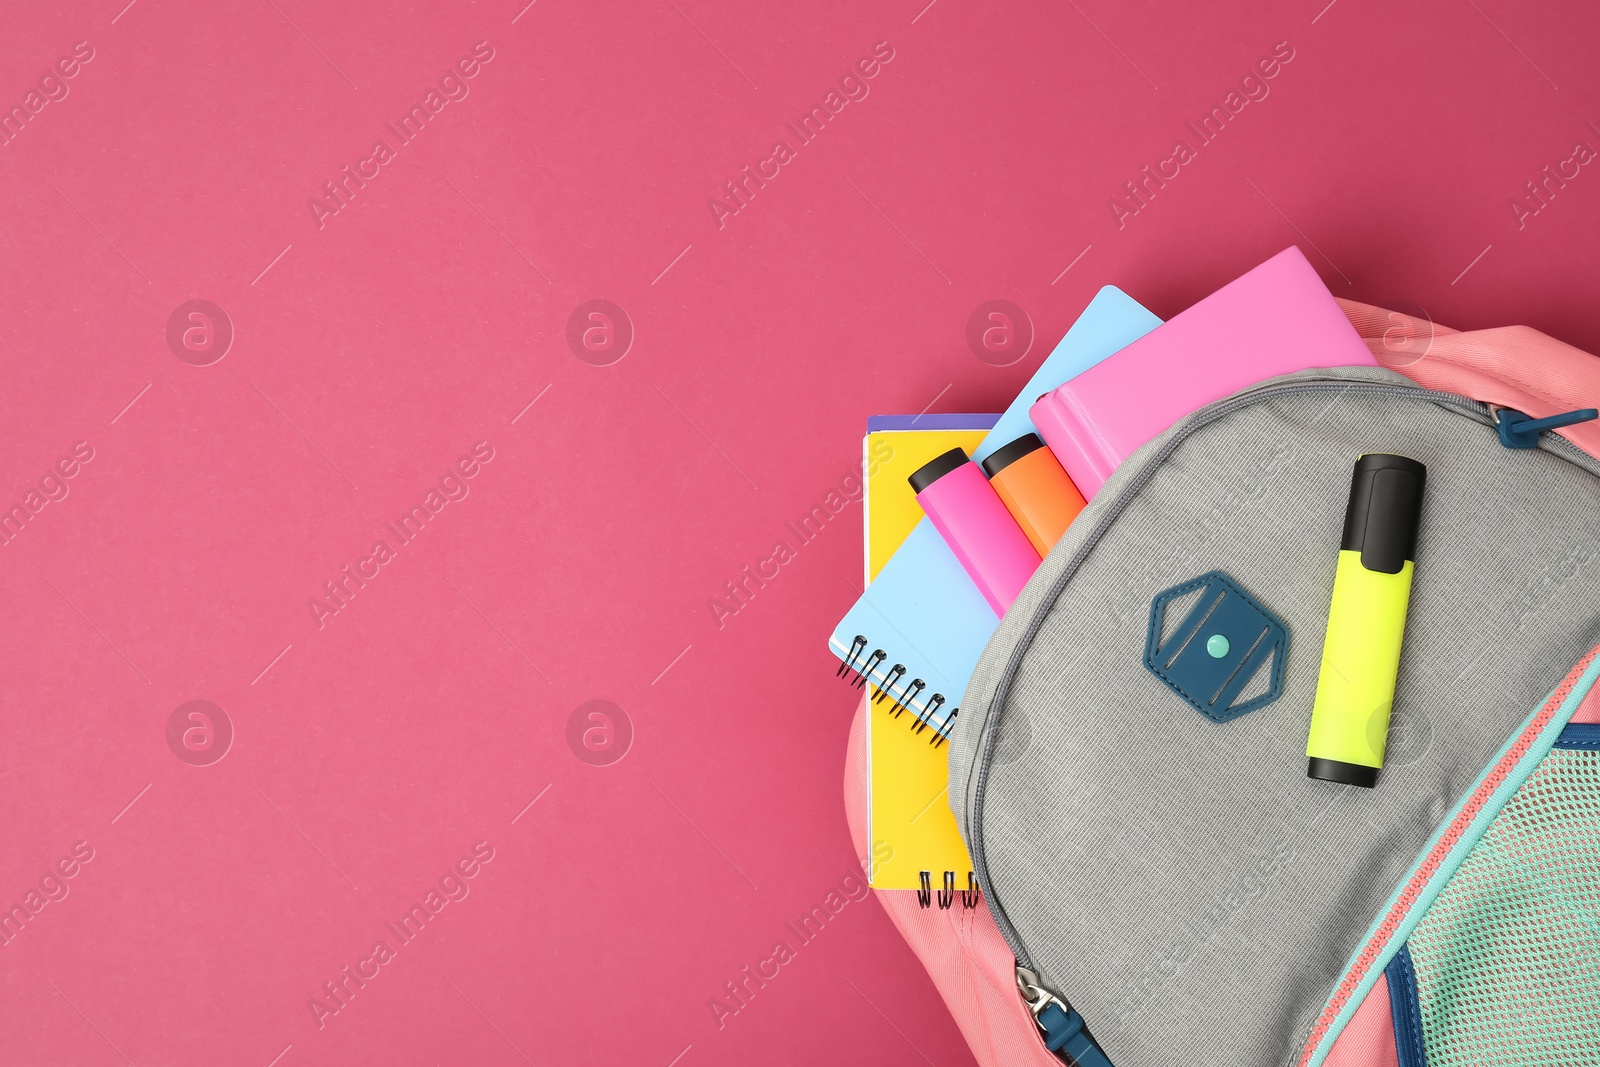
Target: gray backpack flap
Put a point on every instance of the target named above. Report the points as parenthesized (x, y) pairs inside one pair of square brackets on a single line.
[(1176, 875)]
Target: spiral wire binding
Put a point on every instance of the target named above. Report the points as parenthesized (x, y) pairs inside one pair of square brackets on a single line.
[(913, 688), (877, 657), (947, 895), (855, 650)]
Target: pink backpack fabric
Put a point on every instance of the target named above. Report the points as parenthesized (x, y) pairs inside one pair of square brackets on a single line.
[(962, 949)]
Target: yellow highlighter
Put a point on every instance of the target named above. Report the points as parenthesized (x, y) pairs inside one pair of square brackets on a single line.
[(1366, 621)]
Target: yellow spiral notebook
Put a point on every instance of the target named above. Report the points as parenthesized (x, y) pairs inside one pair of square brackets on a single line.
[(913, 834)]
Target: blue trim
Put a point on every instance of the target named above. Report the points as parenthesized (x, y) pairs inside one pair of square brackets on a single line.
[(1585, 735), (1405, 1009), (1064, 1033)]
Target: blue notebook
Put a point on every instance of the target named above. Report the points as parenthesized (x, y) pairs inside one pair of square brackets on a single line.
[(922, 614)]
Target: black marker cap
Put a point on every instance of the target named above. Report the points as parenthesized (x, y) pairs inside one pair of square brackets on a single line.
[(1006, 455), (1384, 512), (936, 468), (1332, 770)]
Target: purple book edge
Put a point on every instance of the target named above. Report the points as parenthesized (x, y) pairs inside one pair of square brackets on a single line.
[(930, 421)]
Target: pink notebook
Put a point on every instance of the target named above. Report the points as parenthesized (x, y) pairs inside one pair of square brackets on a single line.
[(1277, 319)]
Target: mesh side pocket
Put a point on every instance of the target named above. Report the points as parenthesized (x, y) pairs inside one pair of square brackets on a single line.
[(1508, 957)]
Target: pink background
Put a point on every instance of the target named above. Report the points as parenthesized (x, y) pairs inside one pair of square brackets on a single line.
[(370, 354)]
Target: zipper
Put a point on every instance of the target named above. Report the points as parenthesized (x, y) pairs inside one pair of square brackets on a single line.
[(1510, 771), (1513, 432), (1062, 1029)]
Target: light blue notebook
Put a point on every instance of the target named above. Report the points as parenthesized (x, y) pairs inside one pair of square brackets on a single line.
[(918, 630)]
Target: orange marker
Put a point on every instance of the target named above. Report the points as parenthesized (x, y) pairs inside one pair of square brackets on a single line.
[(1035, 489)]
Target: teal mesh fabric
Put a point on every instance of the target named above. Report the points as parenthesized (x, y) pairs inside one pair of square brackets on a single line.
[(1508, 956)]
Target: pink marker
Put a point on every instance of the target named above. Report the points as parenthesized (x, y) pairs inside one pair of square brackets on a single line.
[(973, 521)]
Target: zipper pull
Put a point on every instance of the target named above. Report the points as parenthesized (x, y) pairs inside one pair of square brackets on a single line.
[(1064, 1031), (1518, 430)]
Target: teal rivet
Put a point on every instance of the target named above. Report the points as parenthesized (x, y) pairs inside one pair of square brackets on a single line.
[(1217, 645)]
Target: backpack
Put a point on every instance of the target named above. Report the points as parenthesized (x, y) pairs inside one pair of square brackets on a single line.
[(1163, 888)]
